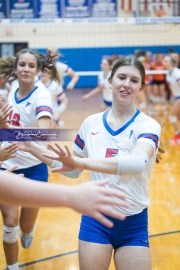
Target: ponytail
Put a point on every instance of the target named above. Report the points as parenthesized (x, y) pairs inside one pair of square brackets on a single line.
[(7, 72), (48, 65), (45, 63), (160, 150)]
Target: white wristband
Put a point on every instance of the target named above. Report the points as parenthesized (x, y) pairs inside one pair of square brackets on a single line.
[(74, 174)]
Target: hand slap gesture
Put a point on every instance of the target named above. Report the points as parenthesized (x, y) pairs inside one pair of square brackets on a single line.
[(8, 151), (4, 113), (94, 199), (64, 156)]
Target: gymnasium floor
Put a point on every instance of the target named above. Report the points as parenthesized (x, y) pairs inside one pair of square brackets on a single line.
[(55, 243)]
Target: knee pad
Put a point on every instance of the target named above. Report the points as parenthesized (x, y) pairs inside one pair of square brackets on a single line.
[(172, 118), (10, 235)]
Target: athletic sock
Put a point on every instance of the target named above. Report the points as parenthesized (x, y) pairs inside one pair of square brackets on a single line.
[(13, 266)]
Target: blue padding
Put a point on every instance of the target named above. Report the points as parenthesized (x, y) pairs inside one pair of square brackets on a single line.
[(88, 59)]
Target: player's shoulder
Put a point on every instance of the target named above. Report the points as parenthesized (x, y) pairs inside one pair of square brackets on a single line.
[(176, 71), (41, 90), (145, 120), (61, 66), (93, 119)]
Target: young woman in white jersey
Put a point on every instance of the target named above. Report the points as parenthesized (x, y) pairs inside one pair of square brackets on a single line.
[(103, 85), (63, 70), (121, 144), (59, 98), (31, 108), (88, 198), (173, 79)]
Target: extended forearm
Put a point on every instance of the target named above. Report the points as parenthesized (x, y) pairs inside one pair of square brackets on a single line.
[(16, 190), (37, 151), (108, 165)]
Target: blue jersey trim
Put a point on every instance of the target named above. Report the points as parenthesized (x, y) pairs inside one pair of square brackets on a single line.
[(150, 136), (116, 132), (79, 142), (48, 84), (38, 79), (23, 99), (43, 108)]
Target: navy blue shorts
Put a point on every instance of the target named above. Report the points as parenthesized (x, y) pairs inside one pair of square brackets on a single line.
[(38, 172), (158, 82), (108, 103), (133, 231)]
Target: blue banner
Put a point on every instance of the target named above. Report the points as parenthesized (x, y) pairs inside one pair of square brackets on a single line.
[(76, 8), (22, 9), (104, 8), (48, 9), (15, 135), (3, 9)]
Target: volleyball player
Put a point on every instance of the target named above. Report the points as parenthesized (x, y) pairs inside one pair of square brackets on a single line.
[(31, 108), (121, 143), (158, 84), (59, 98), (103, 85), (173, 79), (64, 70)]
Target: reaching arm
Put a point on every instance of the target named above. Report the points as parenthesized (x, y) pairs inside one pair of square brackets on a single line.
[(74, 79), (89, 198), (8, 151), (133, 163), (93, 92)]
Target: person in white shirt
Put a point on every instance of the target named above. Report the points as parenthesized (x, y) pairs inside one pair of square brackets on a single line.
[(173, 79), (121, 144), (63, 70), (31, 107), (103, 85), (58, 95)]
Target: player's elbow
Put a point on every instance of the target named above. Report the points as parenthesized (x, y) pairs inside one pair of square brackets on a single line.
[(132, 164)]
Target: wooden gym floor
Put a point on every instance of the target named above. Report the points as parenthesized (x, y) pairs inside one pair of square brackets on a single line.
[(55, 244)]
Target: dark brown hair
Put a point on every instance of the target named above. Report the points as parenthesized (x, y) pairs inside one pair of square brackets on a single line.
[(45, 63), (129, 61), (134, 62)]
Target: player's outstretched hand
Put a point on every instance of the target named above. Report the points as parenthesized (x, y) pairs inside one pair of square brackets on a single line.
[(85, 97), (70, 86), (25, 145), (64, 156), (11, 169), (8, 151), (4, 113), (94, 199)]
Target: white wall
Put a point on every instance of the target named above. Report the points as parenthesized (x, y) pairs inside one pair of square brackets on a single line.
[(90, 35)]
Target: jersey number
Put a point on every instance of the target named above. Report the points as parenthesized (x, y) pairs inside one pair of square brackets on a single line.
[(111, 152), (15, 117)]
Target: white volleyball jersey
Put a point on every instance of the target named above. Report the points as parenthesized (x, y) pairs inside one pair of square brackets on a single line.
[(37, 82), (103, 80), (56, 92), (63, 70), (173, 78), (26, 112), (96, 139)]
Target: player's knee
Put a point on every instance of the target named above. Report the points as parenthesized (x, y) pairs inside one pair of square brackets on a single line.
[(10, 234), (172, 118)]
